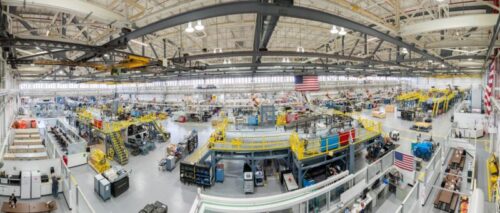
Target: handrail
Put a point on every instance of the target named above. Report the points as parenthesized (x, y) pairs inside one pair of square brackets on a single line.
[(215, 203), (273, 202)]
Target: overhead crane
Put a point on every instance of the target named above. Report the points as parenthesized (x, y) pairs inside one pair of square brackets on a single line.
[(131, 62)]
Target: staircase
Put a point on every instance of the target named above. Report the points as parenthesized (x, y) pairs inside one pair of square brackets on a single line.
[(120, 152), (159, 128)]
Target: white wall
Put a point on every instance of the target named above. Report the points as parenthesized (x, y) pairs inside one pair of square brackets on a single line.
[(427, 82)]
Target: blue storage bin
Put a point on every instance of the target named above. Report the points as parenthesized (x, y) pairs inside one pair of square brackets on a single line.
[(306, 183), (219, 175), (333, 142), (253, 120)]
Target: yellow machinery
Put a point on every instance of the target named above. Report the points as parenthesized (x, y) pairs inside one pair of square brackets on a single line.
[(281, 119), (131, 62), (98, 161), (492, 166)]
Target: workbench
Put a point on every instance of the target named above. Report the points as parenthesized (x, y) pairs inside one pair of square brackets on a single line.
[(29, 207), (27, 142), (27, 149), (26, 156)]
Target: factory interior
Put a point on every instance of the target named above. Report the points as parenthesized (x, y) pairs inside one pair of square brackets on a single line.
[(251, 106)]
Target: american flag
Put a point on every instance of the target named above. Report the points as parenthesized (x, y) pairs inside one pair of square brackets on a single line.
[(403, 161), (305, 83), (489, 87)]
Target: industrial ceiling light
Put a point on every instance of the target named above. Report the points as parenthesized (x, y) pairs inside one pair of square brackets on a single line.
[(404, 51), (469, 59), (199, 26), (190, 28), (37, 47), (430, 61), (442, 65), (342, 31), (228, 61), (300, 49), (334, 30)]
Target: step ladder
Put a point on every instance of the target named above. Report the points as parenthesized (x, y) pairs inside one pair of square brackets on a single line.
[(120, 152)]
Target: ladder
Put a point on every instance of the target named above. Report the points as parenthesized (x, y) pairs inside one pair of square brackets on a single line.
[(120, 152), (159, 128)]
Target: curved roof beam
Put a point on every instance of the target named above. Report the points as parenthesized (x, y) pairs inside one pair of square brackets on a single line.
[(83, 8), (265, 9), (464, 21)]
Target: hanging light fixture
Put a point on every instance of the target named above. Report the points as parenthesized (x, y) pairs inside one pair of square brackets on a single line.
[(300, 49), (190, 28), (342, 31), (199, 26), (404, 51), (229, 61), (334, 30), (217, 50), (225, 61)]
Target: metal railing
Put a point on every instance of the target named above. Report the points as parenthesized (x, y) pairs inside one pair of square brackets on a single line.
[(320, 196)]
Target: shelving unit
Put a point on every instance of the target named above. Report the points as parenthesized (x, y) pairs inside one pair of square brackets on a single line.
[(187, 173), (204, 176), (199, 174)]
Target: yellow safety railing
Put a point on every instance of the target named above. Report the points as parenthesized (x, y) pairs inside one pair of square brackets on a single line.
[(198, 154)]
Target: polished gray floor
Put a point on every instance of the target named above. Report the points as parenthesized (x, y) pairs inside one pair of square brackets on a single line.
[(148, 184)]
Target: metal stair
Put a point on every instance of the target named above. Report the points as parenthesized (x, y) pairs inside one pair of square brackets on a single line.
[(120, 152), (159, 128)]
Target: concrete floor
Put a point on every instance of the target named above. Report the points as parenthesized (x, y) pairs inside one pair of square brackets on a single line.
[(148, 185)]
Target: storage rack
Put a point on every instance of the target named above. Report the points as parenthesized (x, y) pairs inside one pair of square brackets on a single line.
[(198, 173)]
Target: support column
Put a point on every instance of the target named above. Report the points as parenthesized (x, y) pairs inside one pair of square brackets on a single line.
[(351, 159)]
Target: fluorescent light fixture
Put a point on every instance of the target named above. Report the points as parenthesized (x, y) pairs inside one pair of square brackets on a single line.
[(404, 50), (300, 49), (217, 50), (199, 26), (469, 59), (138, 42), (342, 31), (190, 28), (334, 30)]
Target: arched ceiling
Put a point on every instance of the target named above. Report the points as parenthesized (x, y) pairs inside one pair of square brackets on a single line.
[(443, 36)]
